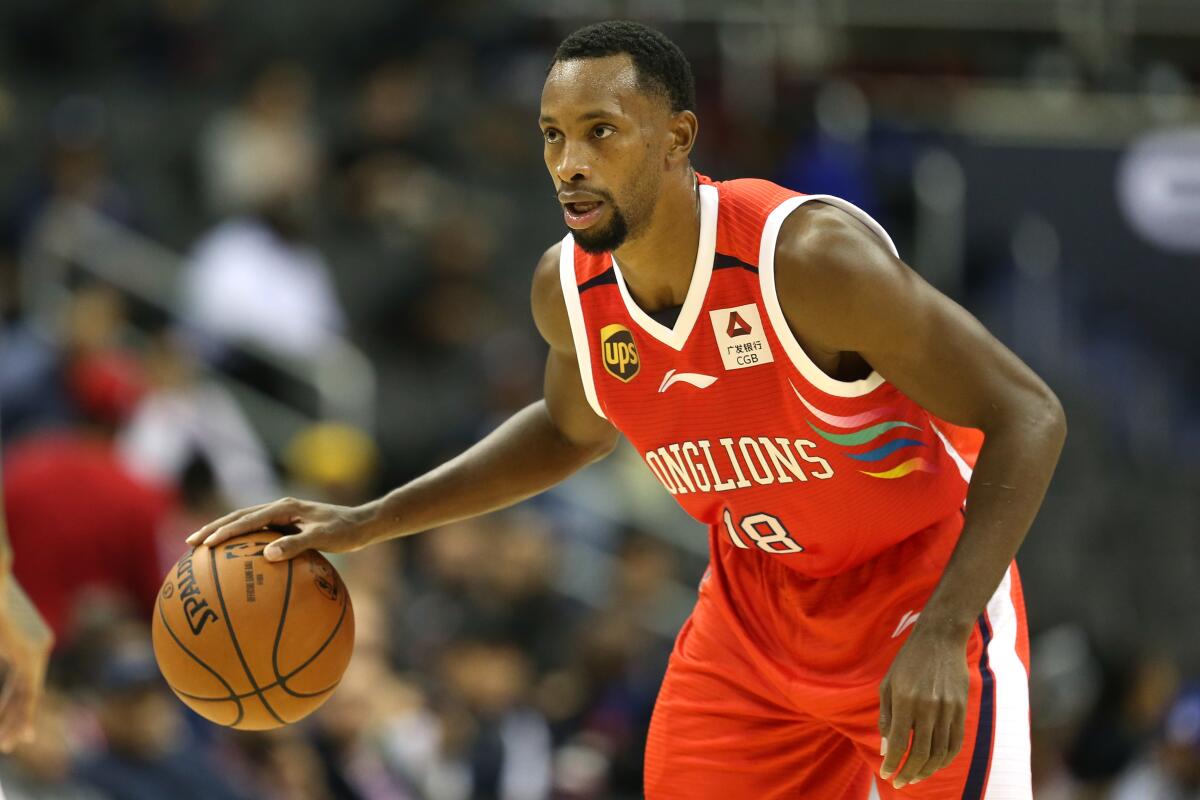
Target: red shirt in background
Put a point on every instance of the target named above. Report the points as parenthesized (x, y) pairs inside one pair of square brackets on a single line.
[(78, 521)]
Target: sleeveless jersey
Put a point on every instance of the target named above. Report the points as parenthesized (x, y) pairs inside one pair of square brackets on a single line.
[(732, 417)]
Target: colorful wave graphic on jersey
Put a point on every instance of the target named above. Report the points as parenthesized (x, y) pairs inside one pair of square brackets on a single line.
[(865, 436)]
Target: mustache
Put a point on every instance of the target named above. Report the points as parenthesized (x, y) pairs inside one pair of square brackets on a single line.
[(603, 195)]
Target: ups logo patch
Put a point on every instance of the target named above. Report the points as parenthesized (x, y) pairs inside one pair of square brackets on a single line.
[(619, 352)]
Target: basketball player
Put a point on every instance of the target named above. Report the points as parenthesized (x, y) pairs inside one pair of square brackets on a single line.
[(785, 376), (25, 642)]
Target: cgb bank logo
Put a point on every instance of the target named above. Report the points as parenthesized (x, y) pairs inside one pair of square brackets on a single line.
[(619, 352)]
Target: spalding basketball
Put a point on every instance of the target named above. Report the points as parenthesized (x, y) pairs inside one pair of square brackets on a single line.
[(251, 643)]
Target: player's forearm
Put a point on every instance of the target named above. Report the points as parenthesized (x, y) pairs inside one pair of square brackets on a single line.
[(523, 457), (1009, 482)]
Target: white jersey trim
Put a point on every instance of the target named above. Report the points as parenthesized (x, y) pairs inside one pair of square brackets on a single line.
[(963, 468), (766, 276), (677, 337), (1009, 776), (570, 289)]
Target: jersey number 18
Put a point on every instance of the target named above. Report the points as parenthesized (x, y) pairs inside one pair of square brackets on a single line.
[(764, 530)]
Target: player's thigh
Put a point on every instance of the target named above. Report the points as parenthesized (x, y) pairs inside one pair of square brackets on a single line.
[(717, 734), (994, 760)]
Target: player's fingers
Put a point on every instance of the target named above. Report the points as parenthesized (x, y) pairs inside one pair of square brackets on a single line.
[(200, 535), (281, 512), (21, 710), (897, 737), (885, 715), (922, 741), (286, 547), (957, 731), (938, 747), (9, 694)]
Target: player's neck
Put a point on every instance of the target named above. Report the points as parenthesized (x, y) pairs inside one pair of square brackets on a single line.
[(658, 264)]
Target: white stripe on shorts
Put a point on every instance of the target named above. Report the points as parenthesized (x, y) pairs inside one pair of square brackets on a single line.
[(1010, 777)]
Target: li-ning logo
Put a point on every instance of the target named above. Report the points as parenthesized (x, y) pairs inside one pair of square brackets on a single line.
[(619, 352)]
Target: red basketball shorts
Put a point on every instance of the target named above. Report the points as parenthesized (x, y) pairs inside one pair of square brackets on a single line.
[(773, 685)]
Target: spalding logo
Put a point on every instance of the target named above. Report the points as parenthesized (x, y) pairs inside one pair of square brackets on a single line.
[(195, 607), (619, 352)]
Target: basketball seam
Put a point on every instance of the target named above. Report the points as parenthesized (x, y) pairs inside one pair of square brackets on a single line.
[(281, 679), (244, 695), (212, 560), (232, 694)]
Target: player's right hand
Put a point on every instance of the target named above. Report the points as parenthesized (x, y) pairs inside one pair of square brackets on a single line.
[(316, 526)]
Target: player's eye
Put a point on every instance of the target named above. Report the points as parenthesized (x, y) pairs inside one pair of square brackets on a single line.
[(551, 135), (603, 131)]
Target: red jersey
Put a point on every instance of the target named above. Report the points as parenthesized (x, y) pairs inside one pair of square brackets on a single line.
[(733, 418)]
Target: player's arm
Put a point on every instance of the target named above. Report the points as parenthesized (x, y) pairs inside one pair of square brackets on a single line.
[(533, 450), (843, 291), (25, 642)]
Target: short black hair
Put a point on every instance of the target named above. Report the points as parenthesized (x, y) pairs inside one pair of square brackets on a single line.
[(661, 65)]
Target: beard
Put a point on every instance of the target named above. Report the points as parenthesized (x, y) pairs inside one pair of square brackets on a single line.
[(607, 238), (627, 220)]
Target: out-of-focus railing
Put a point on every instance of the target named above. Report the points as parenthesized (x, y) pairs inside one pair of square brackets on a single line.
[(71, 238)]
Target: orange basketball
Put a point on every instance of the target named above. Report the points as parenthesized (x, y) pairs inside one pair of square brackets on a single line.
[(250, 643)]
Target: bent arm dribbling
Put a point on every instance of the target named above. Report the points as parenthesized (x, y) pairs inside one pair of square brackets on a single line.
[(536, 448)]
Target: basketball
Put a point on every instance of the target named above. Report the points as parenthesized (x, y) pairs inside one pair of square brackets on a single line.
[(249, 643)]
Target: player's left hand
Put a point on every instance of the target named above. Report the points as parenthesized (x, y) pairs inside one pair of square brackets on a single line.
[(923, 696)]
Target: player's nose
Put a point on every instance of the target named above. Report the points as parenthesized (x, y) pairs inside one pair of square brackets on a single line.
[(572, 165)]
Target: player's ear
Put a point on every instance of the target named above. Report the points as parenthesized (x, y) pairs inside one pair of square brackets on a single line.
[(682, 128)]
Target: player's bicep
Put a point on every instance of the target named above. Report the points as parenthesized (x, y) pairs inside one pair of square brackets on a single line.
[(946, 360), (568, 405), (853, 295)]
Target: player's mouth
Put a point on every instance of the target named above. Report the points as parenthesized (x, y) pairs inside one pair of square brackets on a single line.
[(582, 214)]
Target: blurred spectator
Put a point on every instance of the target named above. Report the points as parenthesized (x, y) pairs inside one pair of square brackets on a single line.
[(42, 377), (1171, 770), (264, 148), (41, 769), (256, 280), (487, 578), (374, 737), (280, 765), (1138, 688), (495, 745), (185, 416), (1064, 681), (145, 753), (387, 177), (601, 705), (75, 168), (78, 520)]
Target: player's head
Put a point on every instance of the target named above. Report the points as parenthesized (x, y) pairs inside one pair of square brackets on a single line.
[(617, 118)]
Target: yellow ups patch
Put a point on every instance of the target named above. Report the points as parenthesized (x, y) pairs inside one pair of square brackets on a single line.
[(619, 352)]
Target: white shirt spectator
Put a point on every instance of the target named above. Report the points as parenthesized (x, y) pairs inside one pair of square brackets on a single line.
[(247, 284), (171, 425)]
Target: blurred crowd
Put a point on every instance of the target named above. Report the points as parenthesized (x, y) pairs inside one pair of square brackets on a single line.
[(376, 179)]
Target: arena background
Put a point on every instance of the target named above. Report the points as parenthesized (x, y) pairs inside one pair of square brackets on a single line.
[(249, 249)]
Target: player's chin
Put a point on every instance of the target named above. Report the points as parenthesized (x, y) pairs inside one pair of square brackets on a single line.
[(600, 238)]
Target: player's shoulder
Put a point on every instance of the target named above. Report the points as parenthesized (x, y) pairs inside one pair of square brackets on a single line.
[(753, 193), (824, 236), (745, 205)]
